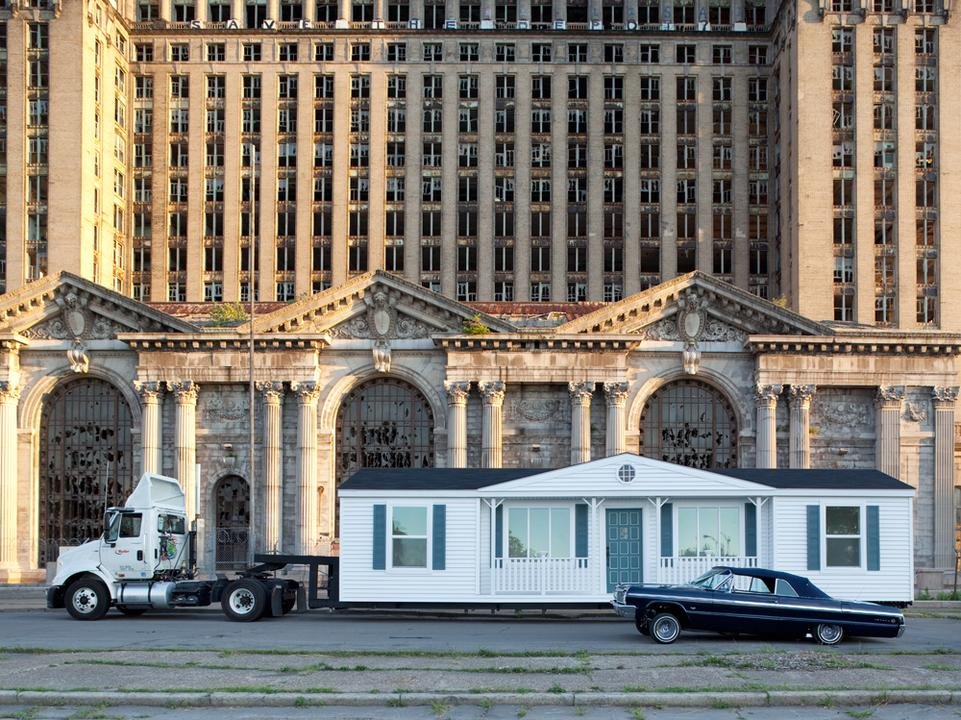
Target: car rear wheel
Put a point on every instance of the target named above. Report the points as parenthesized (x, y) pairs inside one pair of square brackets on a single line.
[(665, 628), (829, 633)]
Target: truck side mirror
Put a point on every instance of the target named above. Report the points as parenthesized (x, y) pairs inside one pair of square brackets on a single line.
[(111, 526)]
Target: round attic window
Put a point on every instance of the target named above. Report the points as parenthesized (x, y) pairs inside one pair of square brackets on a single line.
[(625, 473)]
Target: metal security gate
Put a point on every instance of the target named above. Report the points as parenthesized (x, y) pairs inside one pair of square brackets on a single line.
[(86, 456), (232, 504)]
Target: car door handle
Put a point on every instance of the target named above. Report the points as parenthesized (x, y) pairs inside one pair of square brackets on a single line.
[(140, 555)]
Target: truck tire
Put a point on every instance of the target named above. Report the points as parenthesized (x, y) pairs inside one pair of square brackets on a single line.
[(244, 600), (87, 599)]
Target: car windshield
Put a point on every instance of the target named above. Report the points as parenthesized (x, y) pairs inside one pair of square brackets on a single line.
[(714, 580)]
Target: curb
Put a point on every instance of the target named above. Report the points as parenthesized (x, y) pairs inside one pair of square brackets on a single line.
[(777, 698)]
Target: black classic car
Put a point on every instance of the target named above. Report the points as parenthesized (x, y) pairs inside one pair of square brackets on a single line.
[(752, 601)]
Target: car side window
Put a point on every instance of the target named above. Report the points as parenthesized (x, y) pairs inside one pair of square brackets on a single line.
[(759, 586), (783, 587)]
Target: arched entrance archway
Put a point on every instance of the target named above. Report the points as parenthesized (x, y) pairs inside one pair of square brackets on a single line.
[(232, 508), (691, 423), (86, 461), (385, 422)]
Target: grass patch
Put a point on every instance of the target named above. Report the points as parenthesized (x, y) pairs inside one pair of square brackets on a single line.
[(939, 666), (635, 713), (860, 713), (438, 708), (556, 689)]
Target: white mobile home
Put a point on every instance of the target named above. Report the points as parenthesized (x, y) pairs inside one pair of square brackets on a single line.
[(567, 536)]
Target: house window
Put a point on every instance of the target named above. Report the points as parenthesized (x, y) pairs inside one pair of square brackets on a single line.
[(539, 532), (842, 533), (409, 537), (708, 531)]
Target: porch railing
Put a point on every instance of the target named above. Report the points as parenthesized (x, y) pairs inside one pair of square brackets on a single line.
[(679, 570), (540, 576)]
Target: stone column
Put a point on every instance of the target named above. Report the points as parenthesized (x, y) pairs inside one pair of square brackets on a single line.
[(616, 400), (581, 394), (185, 443), (273, 396), (150, 397), (800, 440), (457, 423), (888, 443), (492, 444), (766, 398), (307, 394), (9, 397), (944, 398)]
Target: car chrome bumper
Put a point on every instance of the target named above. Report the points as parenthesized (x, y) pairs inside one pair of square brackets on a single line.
[(901, 630), (624, 610)]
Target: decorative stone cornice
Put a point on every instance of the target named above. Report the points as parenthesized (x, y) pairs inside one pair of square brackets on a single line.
[(544, 341), (616, 393), (223, 342), (185, 390), (887, 344), (149, 390), (492, 392), (457, 391), (944, 395), (767, 394), (891, 395), (272, 392)]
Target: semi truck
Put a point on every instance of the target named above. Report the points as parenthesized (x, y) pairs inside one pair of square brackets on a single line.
[(146, 560)]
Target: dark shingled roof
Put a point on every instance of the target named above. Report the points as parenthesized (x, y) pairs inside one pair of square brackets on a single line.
[(433, 478), (817, 479), (475, 478)]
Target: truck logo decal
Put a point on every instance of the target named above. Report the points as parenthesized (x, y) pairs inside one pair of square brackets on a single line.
[(168, 548), (121, 551)]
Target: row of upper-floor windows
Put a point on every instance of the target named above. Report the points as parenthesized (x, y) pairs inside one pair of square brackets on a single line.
[(539, 87), (884, 40), (436, 51), (435, 14)]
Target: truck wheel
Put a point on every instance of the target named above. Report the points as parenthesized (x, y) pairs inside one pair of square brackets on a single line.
[(244, 600), (288, 604), (87, 599), (665, 628), (131, 611), (829, 634)]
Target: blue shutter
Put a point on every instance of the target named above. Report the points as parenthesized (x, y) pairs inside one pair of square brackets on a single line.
[(439, 554), (814, 537), (874, 538), (750, 529), (380, 537), (580, 530), (499, 531), (667, 530)]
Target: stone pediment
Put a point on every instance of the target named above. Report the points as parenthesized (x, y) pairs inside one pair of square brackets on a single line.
[(68, 308), (695, 308), (375, 306)]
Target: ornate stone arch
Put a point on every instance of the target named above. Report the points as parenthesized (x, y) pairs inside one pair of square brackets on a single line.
[(689, 421), (734, 395)]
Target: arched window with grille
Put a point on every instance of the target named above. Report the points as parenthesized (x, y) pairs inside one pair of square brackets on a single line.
[(689, 422)]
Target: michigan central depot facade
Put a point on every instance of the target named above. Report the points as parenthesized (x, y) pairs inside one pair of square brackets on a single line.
[(712, 232)]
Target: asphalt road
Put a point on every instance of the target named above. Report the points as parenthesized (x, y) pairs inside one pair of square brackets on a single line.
[(321, 630)]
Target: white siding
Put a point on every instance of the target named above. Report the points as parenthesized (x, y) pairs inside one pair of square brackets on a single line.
[(360, 583), (894, 581)]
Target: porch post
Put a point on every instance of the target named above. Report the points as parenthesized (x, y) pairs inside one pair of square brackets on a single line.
[(944, 398), (491, 438), (150, 396), (581, 394), (307, 394), (185, 444), (457, 423), (616, 399), (766, 398), (800, 440), (888, 444), (9, 398), (273, 394)]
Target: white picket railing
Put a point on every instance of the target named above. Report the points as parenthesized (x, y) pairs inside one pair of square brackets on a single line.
[(541, 576), (679, 570)]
